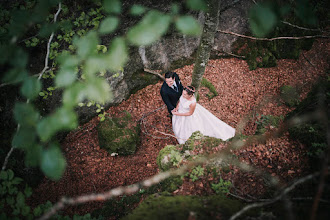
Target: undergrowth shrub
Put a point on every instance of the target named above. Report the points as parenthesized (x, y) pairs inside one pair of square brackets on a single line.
[(313, 133)]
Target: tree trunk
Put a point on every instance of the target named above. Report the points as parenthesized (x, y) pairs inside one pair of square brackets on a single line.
[(206, 42)]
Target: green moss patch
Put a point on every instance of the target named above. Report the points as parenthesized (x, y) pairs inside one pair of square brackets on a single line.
[(266, 122), (210, 86), (185, 207), (119, 135), (289, 95)]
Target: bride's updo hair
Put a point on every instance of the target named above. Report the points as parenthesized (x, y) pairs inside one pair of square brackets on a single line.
[(190, 90)]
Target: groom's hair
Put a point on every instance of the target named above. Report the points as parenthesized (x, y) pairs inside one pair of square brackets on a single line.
[(169, 75)]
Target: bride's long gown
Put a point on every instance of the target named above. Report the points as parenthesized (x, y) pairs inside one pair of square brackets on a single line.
[(201, 120)]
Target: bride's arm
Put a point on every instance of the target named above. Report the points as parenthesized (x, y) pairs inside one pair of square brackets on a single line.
[(192, 107), (177, 106)]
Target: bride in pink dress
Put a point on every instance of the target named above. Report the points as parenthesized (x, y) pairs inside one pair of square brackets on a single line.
[(190, 116)]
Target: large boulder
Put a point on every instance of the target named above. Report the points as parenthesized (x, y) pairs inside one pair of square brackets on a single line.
[(119, 135)]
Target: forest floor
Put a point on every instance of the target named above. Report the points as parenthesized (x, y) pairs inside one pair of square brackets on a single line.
[(91, 169)]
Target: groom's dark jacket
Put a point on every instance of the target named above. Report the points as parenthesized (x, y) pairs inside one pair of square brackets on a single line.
[(169, 95)]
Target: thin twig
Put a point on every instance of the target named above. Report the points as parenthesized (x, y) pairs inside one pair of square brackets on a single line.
[(308, 60), (275, 38), (7, 157), (155, 73), (281, 195), (302, 28), (48, 45), (230, 54)]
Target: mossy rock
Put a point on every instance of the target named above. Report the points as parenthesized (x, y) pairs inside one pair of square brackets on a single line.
[(289, 96), (185, 207), (169, 157), (198, 140), (191, 143), (119, 135)]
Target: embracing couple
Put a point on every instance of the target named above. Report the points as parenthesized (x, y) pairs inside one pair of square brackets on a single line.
[(189, 116)]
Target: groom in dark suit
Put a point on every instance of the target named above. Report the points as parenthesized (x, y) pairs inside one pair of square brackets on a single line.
[(171, 90)]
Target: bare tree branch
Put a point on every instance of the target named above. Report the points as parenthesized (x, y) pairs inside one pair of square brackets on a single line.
[(7, 157), (302, 28), (275, 38), (127, 190), (48, 45), (280, 196)]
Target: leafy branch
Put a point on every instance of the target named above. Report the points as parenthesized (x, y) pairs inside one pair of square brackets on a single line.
[(40, 75)]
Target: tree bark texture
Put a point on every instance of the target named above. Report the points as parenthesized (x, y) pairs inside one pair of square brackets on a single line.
[(206, 42)]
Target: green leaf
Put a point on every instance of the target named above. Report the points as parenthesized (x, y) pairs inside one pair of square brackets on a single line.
[(112, 6), (196, 5), (19, 59), (67, 60), (10, 174), (25, 114), (188, 25), (24, 138), (117, 55), (108, 25), (52, 162), (20, 200), (16, 181), (175, 9), (10, 201), (137, 10), (25, 210), (31, 87), (46, 128), (47, 29), (15, 75), (62, 119), (27, 191), (3, 175), (33, 155), (263, 19), (65, 77), (98, 90), (86, 45), (66, 118), (73, 95), (93, 65), (37, 211), (153, 25)]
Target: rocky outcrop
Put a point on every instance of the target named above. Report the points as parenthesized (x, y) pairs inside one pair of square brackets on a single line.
[(172, 51)]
